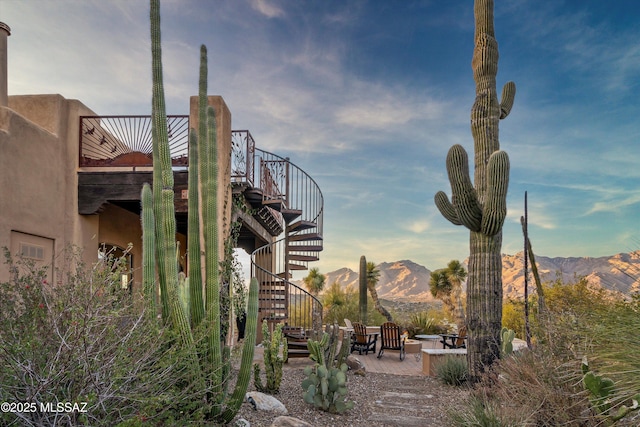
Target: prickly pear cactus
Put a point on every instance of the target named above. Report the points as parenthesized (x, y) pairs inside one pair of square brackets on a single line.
[(326, 384), (603, 390), (507, 341), (481, 207)]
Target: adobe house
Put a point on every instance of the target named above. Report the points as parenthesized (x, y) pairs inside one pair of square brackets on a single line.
[(71, 177)]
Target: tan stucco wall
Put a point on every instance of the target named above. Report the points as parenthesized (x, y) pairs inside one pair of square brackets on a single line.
[(223, 130), (38, 142), (39, 183)]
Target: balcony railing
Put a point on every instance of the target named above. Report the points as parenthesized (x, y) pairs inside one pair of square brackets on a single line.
[(290, 196), (126, 141)]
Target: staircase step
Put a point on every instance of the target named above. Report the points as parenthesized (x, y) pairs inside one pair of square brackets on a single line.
[(304, 248), (273, 203), (293, 266), (296, 342), (298, 353), (304, 258), (272, 295), (301, 225), (290, 214), (305, 237)]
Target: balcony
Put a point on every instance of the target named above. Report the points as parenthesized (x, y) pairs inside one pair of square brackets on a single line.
[(115, 159)]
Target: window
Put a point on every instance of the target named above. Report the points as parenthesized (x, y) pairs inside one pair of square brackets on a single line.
[(31, 251)]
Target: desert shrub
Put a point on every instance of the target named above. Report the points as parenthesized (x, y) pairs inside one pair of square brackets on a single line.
[(544, 386), (343, 303), (477, 412), (82, 340), (424, 322), (513, 316), (452, 370)]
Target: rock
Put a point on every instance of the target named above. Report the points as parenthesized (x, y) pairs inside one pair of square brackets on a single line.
[(264, 402), (242, 423), (356, 365), (284, 421)]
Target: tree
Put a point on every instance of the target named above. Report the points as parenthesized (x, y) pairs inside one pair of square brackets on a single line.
[(457, 274), (441, 288), (314, 281), (482, 206), (373, 275)]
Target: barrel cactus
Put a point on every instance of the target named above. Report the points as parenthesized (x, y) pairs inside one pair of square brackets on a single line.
[(481, 207)]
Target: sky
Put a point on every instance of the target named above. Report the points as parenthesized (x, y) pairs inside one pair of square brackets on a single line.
[(367, 97)]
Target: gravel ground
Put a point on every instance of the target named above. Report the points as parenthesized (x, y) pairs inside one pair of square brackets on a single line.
[(380, 400)]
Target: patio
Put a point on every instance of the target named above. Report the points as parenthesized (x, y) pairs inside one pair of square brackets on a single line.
[(389, 363)]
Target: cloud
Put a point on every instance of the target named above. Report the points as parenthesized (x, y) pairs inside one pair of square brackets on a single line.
[(419, 226), (267, 8), (615, 204)]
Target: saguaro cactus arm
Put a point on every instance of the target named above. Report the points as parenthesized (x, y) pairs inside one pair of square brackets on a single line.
[(495, 208), (507, 98)]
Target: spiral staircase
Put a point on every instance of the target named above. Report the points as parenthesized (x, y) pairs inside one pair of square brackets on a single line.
[(282, 224), (288, 203)]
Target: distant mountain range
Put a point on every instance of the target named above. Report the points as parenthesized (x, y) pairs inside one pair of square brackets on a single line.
[(407, 281)]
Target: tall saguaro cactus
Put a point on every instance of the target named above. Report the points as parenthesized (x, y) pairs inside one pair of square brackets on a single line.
[(363, 289), (209, 367), (482, 206)]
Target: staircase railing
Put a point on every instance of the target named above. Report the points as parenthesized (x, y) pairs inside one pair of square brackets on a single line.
[(281, 300)]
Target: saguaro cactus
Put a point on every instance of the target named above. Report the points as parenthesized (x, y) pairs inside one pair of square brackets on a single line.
[(482, 207), (210, 367), (363, 290)]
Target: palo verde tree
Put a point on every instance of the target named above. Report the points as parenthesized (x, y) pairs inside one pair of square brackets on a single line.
[(208, 360), (481, 207)]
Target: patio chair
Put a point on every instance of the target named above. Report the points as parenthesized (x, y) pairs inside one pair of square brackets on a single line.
[(348, 324), (363, 341), (391, 339), (455, 340)]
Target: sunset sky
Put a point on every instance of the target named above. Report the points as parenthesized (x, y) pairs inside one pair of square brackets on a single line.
[(368, 96)]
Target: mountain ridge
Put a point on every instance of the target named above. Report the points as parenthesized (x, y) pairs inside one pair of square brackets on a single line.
[(406, 280)]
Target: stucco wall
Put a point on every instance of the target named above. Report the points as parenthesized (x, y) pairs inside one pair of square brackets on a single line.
[(223, 129), (38, 179), (39, 184)]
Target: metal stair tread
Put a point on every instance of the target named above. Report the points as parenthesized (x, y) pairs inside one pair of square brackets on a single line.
[(301, 225), (304, 237)]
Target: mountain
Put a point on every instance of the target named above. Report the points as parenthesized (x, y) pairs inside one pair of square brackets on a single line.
[(407, 281), (400, 280), (619, 273)]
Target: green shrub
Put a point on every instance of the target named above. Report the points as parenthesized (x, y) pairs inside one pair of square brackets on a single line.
[(477, 412), (452, 370), (547, 386), (83, 340), (343, 303)]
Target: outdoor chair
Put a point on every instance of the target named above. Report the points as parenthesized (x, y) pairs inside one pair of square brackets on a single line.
[(455, 340), (349, 325), (391, 339), (361, 340)]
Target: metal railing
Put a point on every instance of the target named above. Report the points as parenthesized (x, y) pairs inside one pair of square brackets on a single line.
[(280, 300), (126, 140), (109, 141)]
